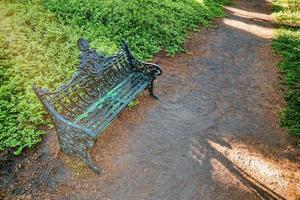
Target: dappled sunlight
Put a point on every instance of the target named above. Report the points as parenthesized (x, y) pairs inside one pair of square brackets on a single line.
[(261, 166), (260, 31), (248, 14), (221, 174), (197, 152), (236, 164), (200, 1)]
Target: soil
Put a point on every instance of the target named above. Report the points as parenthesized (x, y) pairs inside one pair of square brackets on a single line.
[(214, 133)]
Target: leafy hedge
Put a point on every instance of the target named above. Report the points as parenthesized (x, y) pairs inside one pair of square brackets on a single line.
[(38, 46), (287, 43), (34, 49), (14, 133), (147, 25), (287, 12)]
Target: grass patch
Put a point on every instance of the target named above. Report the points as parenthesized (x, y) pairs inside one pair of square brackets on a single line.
[(38, 46), (147, 25), (34, 49), (133, 103), (287, 12), (287, 44)]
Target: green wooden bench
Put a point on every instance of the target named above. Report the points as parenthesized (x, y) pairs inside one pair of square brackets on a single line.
[(100, 89)]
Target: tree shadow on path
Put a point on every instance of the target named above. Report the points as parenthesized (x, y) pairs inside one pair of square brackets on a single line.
[(203, 151)]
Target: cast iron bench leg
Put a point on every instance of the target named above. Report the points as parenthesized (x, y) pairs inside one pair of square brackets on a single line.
[(75, 142), (151, 88), (87, 160)]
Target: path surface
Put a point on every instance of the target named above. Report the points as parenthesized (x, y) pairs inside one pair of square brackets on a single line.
[(214, 133)]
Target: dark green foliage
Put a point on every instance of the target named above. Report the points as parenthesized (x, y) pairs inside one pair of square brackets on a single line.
[(147, 25), (14, 133), (33, 50), (287, 44)]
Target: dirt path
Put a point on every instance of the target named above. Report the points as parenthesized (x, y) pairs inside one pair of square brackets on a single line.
[(214, 133)]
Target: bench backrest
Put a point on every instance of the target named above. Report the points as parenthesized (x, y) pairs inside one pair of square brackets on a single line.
[(96, 75)]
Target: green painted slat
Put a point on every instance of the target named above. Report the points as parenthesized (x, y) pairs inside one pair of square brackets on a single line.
[(109, 120), (113, 105), (102, 99), (92, 114), (119, 101), (110, 104)]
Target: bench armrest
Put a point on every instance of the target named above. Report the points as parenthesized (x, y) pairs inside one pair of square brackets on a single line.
[(55, 116), (147, 68)]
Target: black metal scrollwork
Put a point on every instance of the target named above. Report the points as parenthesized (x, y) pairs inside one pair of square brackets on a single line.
[(91, 62), (147, 68), (96, 75)]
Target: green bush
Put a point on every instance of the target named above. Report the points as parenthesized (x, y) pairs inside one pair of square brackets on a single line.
[(287, 44), (287, 12), (34, 49), (147, 25), (14, 133), (38, 46)]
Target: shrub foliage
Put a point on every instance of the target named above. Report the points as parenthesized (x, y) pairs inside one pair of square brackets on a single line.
[(38, 46), (287, 43), (148, 25)]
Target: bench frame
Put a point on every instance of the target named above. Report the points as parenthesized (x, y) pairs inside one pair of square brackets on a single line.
[(74, 139)]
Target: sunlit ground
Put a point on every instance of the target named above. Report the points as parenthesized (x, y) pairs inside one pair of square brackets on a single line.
[(263, 32), (239, 164), (248, 14), (258, 30)]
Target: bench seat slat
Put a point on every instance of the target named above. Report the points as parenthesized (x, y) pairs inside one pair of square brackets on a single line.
[(117, 102), (98, 116), (88, 113), (109, 101), (119, 109)]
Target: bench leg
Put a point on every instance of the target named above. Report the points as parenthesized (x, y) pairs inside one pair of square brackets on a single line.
[(151, 88), (80, 150), (87, 160), (75, 142)]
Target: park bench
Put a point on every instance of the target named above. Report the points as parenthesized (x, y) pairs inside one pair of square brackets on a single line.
[(100, 89)]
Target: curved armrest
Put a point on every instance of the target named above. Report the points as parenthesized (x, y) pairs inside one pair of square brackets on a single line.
[(55, 116), (147, 68)]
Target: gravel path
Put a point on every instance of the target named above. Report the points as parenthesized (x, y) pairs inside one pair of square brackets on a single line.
[(213, 134)]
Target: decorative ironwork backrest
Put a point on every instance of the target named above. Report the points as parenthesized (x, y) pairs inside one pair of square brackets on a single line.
[(91, 62), (96, 75)]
